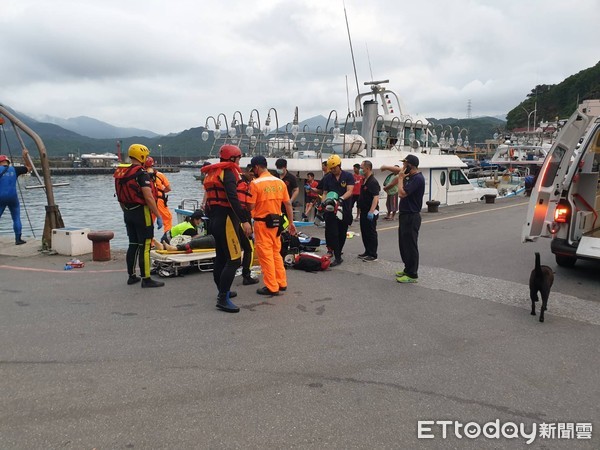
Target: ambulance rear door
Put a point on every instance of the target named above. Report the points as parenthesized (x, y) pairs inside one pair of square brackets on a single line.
[(554, 177)]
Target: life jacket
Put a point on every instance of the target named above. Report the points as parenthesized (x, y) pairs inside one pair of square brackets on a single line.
[(126, 186), (214, 188), (243, 193), (159, 182), (181, 228)]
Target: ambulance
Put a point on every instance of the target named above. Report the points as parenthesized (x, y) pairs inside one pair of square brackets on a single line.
[(565, 201)]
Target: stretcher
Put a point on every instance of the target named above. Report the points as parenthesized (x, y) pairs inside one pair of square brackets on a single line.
[(169, 263)]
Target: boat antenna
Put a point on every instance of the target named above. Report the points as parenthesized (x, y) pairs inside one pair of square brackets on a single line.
[(369, 59), (348, 94), (351, 49)]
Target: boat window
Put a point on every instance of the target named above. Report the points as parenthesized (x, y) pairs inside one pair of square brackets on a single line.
[(457, 177), (555, 159), (443, 178)]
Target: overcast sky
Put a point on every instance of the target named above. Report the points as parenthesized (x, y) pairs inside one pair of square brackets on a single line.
[(167, 65)]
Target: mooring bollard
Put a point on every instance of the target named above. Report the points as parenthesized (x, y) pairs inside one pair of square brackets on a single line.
[(490, 198), (101, 244)]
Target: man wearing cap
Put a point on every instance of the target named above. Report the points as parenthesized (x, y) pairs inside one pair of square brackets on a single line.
[(411, 188), (8, 191), (267, 195)]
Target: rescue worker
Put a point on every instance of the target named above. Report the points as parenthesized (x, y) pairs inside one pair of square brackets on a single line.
[(243, 192), (341, 182), (225, 214), (137, 196), (189, 227), (163, 187), (268, 193), (8, 191)]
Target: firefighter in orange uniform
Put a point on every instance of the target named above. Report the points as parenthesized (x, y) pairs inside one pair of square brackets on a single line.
[(137, 196), (226, 215), (268, 193), (163, 187)]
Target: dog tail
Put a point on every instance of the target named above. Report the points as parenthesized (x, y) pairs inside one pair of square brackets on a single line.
[(538, 266)]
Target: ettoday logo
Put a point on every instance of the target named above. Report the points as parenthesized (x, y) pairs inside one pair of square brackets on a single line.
[(431, 429)]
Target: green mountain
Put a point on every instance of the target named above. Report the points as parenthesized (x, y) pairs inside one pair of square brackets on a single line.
[(556, 100)]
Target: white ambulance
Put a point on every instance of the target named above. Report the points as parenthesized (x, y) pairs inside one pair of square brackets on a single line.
[(565, 201)]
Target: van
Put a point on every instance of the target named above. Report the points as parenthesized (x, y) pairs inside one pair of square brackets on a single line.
[(565, 200)]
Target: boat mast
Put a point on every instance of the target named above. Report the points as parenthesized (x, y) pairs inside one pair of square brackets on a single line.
[(351, 51)]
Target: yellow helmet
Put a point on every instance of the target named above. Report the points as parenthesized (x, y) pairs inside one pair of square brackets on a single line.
[(333, 161), (139, 152)]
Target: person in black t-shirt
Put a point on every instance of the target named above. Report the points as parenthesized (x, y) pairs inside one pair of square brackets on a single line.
[(411, 188), (368, 205)]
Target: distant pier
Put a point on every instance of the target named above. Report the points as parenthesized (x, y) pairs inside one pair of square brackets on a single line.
[(99, 170)]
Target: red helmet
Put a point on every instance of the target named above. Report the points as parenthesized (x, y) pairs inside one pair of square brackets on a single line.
[(228, 151), (149, 161), (4, 158)]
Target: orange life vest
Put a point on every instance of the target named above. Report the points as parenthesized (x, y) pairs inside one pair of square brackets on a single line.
[(160, 186), (243, 193), (126, 186), (214, 188)]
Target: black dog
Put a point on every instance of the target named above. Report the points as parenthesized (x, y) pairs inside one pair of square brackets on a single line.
[(541, 280)]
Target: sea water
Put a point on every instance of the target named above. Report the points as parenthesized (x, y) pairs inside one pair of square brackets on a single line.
[(89, 202)]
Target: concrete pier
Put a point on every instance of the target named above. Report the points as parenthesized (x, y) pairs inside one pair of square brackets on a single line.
[(346, 358)]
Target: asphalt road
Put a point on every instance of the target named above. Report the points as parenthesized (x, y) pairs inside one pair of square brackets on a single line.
[(346, 358)]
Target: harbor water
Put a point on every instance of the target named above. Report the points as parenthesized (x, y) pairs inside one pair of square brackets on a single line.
[(89, 202)]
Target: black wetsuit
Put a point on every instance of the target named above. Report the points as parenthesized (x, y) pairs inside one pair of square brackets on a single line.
[(225, 227), (140, 231)]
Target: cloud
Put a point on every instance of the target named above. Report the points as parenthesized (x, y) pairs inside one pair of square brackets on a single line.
[(166, 66)]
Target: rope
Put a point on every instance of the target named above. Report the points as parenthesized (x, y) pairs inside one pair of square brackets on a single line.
[(18, 185)]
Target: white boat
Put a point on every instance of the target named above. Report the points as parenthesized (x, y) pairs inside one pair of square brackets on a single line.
[(516, 154), (378, 131)]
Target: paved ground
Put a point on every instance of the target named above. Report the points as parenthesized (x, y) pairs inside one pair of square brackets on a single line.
[(347, 358)]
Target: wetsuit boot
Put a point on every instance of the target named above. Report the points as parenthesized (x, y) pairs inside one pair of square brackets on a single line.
[(150, 283), (248, 278), (19, 241), (225, 304)]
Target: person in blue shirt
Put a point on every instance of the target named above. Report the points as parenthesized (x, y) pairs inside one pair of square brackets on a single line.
[(411, 188), (342, 183), (8, 191)]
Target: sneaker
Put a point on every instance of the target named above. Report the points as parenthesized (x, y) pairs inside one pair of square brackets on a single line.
[(406, 279), (265, 291), (133, 279), (20, 242), (362, 255), (150, 283), (284, 288), (400, 273), (336, 262), (370, 258)]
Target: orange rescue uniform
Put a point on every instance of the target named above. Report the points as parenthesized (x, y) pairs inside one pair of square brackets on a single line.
[(162, 183), (268, 192)]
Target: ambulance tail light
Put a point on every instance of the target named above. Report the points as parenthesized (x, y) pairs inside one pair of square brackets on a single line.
[(562, 213)]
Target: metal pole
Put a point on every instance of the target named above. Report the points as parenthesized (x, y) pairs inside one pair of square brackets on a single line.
[(53, 217)]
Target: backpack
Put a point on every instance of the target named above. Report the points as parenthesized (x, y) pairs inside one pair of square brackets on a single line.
[(311, 262)]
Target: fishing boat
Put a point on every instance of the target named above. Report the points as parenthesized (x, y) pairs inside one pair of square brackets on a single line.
[(377, 130)]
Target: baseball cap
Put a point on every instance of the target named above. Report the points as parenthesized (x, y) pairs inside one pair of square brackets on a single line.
[(197, 214), (258, 160), (4, 158), (412, 160)]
